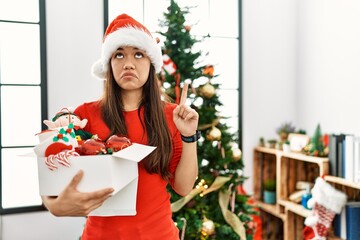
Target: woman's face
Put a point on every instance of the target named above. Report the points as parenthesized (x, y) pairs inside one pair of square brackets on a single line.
[(130, 67)]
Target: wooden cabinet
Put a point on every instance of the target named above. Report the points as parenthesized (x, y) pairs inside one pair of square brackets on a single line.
[(285, 219)]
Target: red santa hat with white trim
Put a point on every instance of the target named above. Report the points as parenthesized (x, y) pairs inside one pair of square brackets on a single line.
[(126, 31)]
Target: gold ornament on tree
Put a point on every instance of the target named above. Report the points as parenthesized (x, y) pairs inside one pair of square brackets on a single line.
[(207, 91), (208, 227), (214, 134), (236, 154)]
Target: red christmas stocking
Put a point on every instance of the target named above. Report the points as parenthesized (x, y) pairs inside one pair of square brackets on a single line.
[(326, 201)]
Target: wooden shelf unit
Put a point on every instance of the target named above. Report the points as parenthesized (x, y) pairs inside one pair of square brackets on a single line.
[(287, 169), (351, 189)]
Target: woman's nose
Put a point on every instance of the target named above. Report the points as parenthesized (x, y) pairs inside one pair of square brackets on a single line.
[(128, 64)]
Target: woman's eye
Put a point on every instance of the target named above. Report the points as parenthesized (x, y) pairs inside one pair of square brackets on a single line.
[(119, 55), (139, 55)]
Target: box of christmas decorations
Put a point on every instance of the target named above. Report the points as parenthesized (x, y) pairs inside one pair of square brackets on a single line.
[(62, 152)]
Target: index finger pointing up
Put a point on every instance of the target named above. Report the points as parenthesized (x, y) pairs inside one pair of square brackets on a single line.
[(184, 94)]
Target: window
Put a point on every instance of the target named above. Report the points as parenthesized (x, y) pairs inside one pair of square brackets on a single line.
[(23, 101), (223, 31)]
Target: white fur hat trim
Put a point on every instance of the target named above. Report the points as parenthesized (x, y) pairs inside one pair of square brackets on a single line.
[(127, 36)]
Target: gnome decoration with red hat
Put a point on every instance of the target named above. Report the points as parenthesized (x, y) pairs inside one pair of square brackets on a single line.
[(126, 31), (67, 116), (326, 201), (63, 136)]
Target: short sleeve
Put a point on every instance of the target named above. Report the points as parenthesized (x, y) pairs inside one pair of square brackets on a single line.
[(95, 125)]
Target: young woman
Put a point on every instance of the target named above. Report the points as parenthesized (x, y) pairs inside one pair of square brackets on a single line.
[(131, 105)]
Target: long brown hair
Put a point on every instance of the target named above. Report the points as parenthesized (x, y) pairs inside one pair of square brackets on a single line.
[(154, 118)]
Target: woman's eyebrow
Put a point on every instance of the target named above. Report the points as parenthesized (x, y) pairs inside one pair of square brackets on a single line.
[(121, 48)]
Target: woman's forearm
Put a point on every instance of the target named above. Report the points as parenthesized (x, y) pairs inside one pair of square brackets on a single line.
[(187, 169)]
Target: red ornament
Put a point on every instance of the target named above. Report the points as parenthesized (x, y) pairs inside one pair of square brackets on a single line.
[(116, 143), (326, 139), (92, 147)]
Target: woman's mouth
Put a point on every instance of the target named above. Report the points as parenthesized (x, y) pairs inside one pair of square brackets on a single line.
[(128, 75)]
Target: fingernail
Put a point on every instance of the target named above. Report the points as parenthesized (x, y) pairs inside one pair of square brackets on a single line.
[(77, 174)]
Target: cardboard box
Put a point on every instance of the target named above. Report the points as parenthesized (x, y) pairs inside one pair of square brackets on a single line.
[(119, 171)]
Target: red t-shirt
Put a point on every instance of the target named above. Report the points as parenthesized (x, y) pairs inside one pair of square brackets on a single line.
[(153, 219)]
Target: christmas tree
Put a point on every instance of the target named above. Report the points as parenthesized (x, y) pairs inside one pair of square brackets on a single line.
[(217, 207), (318, 146)]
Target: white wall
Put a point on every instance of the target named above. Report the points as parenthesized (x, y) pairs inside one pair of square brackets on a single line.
[(301, 63), (269, 72), (74, 37), (329, 65)]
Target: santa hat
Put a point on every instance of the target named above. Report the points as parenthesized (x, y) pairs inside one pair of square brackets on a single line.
[(126, 31)]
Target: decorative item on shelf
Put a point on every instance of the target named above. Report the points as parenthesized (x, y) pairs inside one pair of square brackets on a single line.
[(270, 191), (301, 189), (306, 197), (326, 202), (272, 143), (286, 146), (318, 145), (297, 196), (261, 142), (301, 131), (284, 130), (298, 141)]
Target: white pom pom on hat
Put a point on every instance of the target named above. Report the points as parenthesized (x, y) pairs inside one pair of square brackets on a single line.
[(126, 31)]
